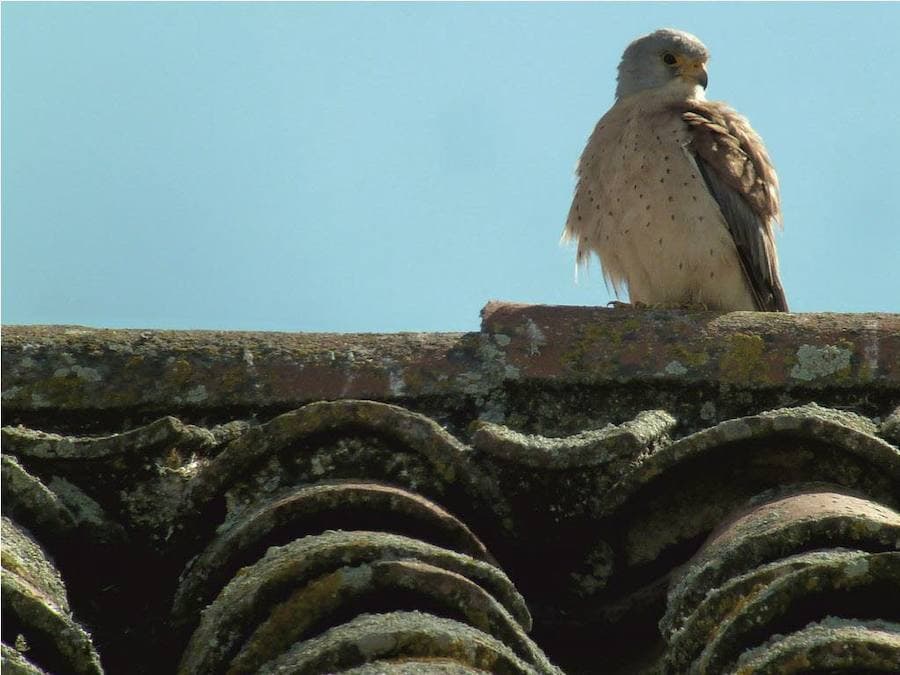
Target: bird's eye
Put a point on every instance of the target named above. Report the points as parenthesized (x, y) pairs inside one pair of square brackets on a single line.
[(669, 59)]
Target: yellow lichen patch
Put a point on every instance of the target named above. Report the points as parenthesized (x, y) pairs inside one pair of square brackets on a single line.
[(413, 379), (743, 359), (233, 379), (11, 563), (593, 337), (629, 325), (845, 373), (690, 357), (173, 459), (812, 584), (60, 390), (452, 649), (178, 373), (134, 361), (867, 372)]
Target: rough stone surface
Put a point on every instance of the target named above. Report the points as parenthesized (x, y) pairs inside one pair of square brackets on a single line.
[(134, 372), (13, 662), (633, 487), (746, 348)]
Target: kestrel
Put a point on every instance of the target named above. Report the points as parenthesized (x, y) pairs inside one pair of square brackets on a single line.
[(676, 194)]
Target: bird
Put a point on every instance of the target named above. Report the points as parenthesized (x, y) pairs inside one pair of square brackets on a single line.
[(675, 194)]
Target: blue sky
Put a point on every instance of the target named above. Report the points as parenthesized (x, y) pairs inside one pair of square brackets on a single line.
[(388, 167)]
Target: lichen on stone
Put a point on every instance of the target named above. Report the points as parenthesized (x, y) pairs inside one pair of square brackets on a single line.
[(819, 362)]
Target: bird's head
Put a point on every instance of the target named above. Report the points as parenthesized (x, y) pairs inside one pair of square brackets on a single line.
[(665, 58)]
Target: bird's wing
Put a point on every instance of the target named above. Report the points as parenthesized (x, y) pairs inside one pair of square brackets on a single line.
[(737, 170)]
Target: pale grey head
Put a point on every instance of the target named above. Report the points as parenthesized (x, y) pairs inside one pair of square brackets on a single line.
[(659, 58)]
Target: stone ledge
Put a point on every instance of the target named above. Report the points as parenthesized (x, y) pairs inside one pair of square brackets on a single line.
[(70, 368), (574, 464), (745, 349)]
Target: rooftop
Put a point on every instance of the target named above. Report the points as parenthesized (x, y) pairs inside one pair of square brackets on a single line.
[(566, 489)]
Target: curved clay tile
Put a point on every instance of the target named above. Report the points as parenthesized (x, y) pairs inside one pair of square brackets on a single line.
[(30, 501), (413, 666), (128, 446), (688, 633), (832, 645), (59, 519), (379, 587), (253, 593), (611, 444), (810, 422), (680, 493), (845, 586), (776, 598), (309, 510), (778, 529), (36, 611), (448, 461), (776, 566), (401, 634), (890, 427), (14, 661)]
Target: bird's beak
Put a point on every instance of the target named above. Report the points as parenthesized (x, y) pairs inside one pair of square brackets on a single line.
[(694, 70)]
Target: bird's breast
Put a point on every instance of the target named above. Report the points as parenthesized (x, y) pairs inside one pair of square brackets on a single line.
[(655, 225)]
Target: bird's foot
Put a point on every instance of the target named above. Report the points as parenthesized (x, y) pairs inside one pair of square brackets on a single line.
[(694, 306), (685, 306), (616, 304)]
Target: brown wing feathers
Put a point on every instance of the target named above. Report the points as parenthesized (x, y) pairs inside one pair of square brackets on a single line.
[(741, 178)]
